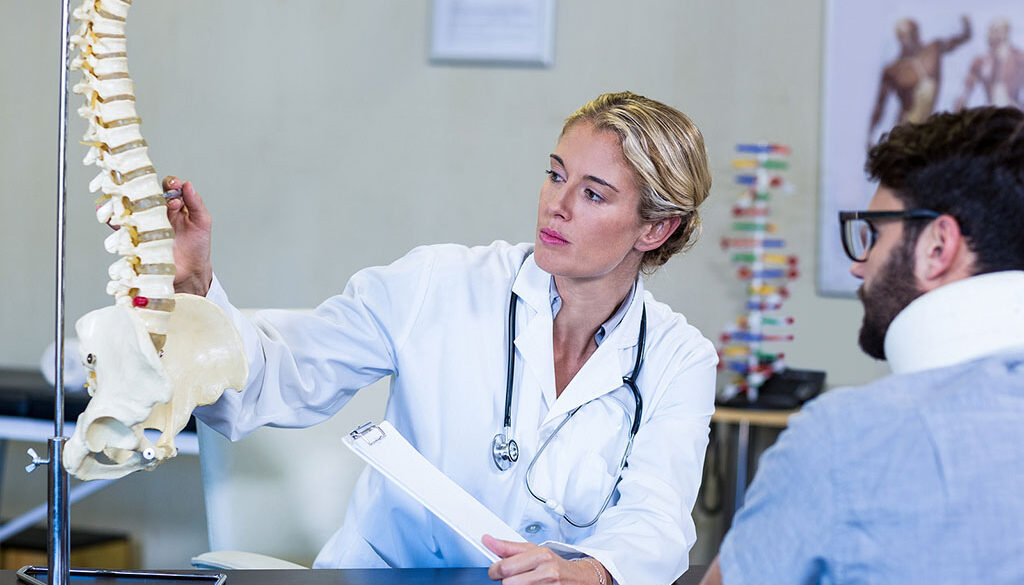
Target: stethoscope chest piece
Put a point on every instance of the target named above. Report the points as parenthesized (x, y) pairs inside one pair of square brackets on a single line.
[(505, 451)]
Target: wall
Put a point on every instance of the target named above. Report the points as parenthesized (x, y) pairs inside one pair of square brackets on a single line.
[(323, 141)]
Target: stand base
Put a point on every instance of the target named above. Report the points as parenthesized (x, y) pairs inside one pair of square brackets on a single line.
[(26, 574)]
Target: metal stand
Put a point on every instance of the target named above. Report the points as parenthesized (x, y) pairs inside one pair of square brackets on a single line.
[(25, 573), (58, 534), (58, 538)]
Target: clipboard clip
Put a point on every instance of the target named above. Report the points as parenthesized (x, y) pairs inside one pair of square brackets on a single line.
[(369, 432)]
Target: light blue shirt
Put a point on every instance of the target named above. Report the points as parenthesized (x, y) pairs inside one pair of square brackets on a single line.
[(917, 478)]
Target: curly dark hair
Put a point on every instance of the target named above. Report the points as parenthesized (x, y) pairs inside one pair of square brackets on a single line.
[(968, 164)]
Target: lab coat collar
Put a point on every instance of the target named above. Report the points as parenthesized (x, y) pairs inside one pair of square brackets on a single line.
[(532, 285), (533, 338), (604, 370), (958, 322)]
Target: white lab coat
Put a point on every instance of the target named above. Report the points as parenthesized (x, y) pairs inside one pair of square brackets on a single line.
[(436, 320)]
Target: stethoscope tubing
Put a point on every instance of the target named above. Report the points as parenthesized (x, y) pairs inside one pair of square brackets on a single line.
[(629, 380), (511, 367), (505, 450)]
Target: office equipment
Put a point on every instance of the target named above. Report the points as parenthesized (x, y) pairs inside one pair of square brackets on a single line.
[(785, 390), (383, 447)]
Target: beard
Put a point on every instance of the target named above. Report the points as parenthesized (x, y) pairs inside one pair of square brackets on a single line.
[(893, 289)]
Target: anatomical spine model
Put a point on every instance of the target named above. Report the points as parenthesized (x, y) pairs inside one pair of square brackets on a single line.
[(154, 355)]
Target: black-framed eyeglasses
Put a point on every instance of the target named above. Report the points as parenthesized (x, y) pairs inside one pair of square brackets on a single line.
[(859, 234)]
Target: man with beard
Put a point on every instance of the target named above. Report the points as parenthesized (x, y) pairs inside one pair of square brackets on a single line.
[(917, 477)]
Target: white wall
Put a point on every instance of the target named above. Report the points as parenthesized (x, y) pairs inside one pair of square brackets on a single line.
[(323, 141)]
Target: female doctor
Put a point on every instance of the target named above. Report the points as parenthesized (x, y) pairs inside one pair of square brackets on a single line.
[(586, 433)]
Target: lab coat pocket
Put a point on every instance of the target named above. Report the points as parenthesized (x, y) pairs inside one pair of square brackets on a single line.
[(588, 486), (580, 466)]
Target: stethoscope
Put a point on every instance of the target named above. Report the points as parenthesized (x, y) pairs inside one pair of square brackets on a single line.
[(505, 450)]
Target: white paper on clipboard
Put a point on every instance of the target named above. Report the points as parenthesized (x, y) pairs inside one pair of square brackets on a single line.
[(387, 451)]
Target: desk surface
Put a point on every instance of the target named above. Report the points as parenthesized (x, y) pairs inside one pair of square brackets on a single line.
[(341, 577), (764, 418)]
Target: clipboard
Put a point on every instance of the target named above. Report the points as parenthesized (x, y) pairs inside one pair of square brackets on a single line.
[(387, 451)]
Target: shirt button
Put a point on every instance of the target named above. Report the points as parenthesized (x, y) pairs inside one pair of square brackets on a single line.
[(533, 528)]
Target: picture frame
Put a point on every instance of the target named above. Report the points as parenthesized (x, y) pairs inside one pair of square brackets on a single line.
[(873, 78), (493, 32)]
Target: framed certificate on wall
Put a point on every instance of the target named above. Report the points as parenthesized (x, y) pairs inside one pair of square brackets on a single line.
[(500, 32)]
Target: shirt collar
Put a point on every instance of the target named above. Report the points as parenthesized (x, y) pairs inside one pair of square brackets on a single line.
[(606, 327), (534, 286), (958, 322)]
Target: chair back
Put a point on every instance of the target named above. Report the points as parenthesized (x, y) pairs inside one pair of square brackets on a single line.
[(283, 492)]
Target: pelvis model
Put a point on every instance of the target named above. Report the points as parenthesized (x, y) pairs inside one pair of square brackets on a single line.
[(154, 355)]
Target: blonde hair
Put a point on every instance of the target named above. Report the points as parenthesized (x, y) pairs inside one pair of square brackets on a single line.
[(666, 152)]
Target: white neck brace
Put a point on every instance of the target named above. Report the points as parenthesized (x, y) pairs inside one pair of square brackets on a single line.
[(958, 322)]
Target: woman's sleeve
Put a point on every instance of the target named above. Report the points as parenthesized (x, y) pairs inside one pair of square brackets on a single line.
[(647, 535), (304, 366)]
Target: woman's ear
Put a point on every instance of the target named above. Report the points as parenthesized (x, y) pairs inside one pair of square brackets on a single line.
[(657, 232)]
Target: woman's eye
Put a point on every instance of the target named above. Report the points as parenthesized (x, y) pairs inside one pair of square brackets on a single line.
[(553, 176), (591, 195)]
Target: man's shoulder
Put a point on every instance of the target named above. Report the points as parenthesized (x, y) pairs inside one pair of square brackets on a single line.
[(888, 394), (896, 398)]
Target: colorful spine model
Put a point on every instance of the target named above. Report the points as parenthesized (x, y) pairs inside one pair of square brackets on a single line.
[(757, 250), (154, 355)]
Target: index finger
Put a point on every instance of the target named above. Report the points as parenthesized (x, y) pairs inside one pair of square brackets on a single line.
[(505, 548)]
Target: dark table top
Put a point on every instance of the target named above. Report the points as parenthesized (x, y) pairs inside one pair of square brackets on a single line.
[(26, 393), (306, 577), (337, 577)]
